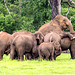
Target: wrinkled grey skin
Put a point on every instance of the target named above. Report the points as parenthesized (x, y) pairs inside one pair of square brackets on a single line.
[(5, 43), (30, 41), (52, 37), (22, 44), (66, 43), (28, 56), (46, 50)]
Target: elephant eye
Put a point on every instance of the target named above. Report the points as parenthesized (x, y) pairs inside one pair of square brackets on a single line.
[(64, 20), (66, 25)]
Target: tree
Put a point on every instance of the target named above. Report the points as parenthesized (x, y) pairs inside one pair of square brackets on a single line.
[(56, 6), (6, 7)]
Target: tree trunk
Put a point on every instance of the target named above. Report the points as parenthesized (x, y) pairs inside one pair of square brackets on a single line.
[(20, 6), (6, 7), (56, 7)]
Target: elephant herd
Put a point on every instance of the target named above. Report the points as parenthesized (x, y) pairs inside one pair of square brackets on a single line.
[(46, 43)]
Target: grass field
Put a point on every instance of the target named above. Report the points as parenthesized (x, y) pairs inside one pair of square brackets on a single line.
[(63, 65)]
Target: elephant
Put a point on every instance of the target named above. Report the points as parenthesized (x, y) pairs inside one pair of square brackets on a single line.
[(22, 44), (28, 56), (47, 50), (38, 35), (5, 43), (52, 37), (58, 24), (21, 32), (66, 43), (26, 43)]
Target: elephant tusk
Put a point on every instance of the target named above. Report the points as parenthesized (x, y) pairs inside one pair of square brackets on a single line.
[(73, 37)]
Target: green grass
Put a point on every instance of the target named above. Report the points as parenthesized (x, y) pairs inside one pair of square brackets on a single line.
[(63, 65)]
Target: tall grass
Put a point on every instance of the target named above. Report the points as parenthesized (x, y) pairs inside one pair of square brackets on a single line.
[(63, 65)]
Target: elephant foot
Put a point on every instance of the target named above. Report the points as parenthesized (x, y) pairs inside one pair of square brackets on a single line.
[(0, 59), (72, 57)]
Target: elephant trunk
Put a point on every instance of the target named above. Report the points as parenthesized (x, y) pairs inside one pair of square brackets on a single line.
[(71, 28)]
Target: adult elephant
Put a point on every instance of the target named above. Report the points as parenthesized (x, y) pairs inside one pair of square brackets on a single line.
[(66, 43), (21, 32), (58, 24), (21, 45), (26, 42), (5, 43)]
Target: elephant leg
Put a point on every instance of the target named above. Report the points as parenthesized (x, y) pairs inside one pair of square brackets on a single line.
[(47, 56), (52, 56), (12, 53), (40, 56), (72, 49), (28, 56), (21, 57), (1, 55), (72, 53)]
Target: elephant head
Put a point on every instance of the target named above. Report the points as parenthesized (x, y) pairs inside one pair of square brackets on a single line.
[(39, 37), (58, 49), (64, 23), (57, 45)]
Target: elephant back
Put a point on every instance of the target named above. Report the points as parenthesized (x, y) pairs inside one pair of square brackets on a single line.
[(52, 37), (20, 32), (23, 41), (65, 43)]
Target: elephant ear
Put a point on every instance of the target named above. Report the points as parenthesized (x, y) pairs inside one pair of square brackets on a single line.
[(59, 18), (56, 45), (39, 37)]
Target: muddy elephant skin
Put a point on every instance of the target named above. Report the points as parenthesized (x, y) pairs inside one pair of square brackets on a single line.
[(47, 50), (52, 37), (66, 43), (22, 38), (22, 44), (5, 43), (58, 24)]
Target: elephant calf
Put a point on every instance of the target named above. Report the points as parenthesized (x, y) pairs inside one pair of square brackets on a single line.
[(47, 50), (53, 36)]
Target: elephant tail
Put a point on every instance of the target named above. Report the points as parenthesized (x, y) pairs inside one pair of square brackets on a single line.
[(50, 39), (13, 42), (39, 51)]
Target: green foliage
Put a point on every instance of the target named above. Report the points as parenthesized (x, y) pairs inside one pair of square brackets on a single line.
[(39, 10), (34, 13), (9, 23), (63, 65), (71, 15), (2, 22)]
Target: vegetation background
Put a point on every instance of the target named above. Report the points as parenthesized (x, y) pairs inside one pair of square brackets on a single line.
[(28, 14)]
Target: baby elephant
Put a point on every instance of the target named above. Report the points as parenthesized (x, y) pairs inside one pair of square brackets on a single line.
[(47, 50)]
